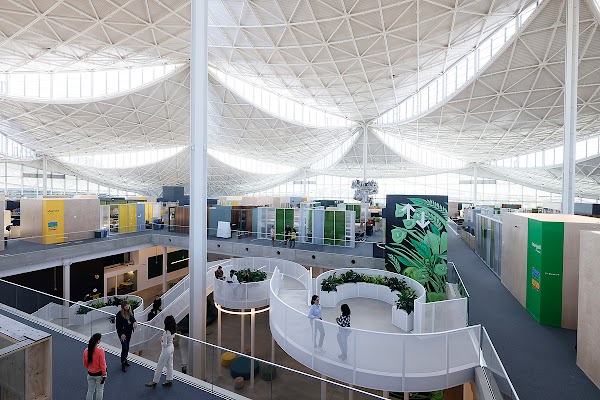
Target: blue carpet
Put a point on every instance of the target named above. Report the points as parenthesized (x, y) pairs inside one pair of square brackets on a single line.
[(540, 360), (69, 374)]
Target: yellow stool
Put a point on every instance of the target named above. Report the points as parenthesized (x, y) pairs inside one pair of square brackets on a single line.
[(227, 359)]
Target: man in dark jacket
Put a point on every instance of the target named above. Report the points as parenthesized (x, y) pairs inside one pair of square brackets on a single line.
[(125, 324)]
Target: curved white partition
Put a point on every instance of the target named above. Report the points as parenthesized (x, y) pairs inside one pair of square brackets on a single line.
[(376, 360), (99, 313), (254, 294), (372, 291)]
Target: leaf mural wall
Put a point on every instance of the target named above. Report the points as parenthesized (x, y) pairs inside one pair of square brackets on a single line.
[(417, 240)]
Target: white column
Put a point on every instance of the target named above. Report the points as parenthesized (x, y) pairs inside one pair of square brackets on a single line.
[(5, 179), (365, 151), (165, 253), (386, 394), (198, 175), (252, 329), (475, 185), (219, 334), (242, 334), (44, 175), (570, 123), (323, 388), (66, 280), (22, 182), (272, 349)]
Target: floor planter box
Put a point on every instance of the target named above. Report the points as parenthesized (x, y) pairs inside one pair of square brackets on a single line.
[(403, 320)]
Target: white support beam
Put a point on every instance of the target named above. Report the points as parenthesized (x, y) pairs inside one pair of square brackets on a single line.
[(570, 122), (165, 254), (198, 180), (365, 150), (44, 175)]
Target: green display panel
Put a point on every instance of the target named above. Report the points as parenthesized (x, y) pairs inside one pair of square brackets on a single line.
[(355, 208), (334, 232), (283, 217), (544, 271)]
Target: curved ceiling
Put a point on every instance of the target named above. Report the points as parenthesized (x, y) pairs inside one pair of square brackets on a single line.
[(356, 59)]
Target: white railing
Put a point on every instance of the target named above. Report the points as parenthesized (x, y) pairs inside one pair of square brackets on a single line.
[(376, 360)]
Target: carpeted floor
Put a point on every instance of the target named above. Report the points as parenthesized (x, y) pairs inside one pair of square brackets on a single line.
[(69, 374), (539, 360)]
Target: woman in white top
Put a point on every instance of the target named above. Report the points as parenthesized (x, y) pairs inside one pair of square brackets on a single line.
[(166, 354), (314, 314)]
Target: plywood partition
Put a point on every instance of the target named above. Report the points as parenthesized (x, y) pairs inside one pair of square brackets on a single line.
[(540, 263), (31, 219), (182, 219), (588, 325), (514, 255)]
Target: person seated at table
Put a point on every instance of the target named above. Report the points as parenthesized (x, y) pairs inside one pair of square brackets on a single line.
[(219, 273)]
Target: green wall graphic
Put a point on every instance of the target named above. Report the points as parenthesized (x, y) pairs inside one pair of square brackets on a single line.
[(283, 217), (544, 271), (417, 240), (335, 227)]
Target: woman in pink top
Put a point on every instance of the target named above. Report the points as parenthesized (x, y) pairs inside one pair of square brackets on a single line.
[(94, 361)]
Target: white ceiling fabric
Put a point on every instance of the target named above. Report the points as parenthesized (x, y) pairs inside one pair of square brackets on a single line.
[(354, 58)]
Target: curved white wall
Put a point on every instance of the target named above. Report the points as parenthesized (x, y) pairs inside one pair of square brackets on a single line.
[(376, 360)]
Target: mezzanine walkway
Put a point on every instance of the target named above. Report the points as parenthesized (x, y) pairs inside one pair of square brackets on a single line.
[(69, 374), (540, 360)]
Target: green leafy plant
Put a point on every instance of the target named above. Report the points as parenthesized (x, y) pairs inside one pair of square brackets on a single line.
[(250, 275), (421, 252), (331, 283), (406, 300), (395, 284)]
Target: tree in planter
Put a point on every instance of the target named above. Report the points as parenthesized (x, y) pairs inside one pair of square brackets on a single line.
[(406, 300)]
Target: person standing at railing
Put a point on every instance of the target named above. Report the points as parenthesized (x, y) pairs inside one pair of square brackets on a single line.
[(95, 362), (342, 337), (166, 354), (126, 324), (314, 314)]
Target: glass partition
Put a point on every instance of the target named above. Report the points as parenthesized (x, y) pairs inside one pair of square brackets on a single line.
[(489, 241)]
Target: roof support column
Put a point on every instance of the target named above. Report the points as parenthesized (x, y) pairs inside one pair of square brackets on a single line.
[(365, 152), (44, 175), (198, 181), (475, 185), (570, 123)]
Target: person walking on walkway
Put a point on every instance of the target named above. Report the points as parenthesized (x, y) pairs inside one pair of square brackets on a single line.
[(166, 354), (314, 314), (95, 362), (272, 235), (126, 324), (293, 238), (342, 337)]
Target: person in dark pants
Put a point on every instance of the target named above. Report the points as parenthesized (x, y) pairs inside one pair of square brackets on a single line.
[(126, 324)]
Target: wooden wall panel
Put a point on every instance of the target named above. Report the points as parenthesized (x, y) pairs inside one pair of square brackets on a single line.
[(588, 321), (570, 288), (514, 255), (182, 219)]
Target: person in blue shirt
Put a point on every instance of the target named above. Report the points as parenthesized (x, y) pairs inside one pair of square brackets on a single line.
[(314, 314)]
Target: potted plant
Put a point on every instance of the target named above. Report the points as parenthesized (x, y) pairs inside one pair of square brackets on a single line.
[(402, 315)]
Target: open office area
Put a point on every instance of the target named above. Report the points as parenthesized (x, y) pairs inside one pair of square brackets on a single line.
[(299, 199)]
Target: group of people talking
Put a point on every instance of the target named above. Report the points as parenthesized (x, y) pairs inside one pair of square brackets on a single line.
[(343, 321), (94, 359)]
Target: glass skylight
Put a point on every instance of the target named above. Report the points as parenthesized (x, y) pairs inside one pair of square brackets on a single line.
[(80, 84), (278, 104), (336, 155), (458, 75), (123, 160), (583, 149), (418, 154), (250, 165), (11, 149)]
